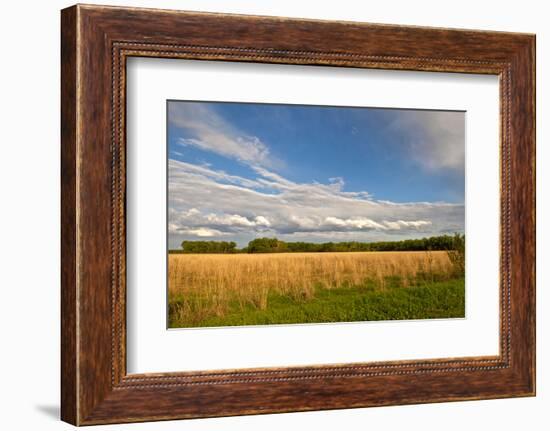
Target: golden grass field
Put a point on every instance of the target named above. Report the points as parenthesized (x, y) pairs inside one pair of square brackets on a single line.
[(209, 284)]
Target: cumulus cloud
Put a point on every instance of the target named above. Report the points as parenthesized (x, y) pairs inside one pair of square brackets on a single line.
[(202, 232), (208, 203), (208, 131), (204, 202), (175, 228), (360, 223), (237, 220)]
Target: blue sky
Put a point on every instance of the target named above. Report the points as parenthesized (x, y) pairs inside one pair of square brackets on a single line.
[(239, 171)]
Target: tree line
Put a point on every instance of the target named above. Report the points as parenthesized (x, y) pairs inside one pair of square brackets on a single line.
[(208, 247), (274, 245)]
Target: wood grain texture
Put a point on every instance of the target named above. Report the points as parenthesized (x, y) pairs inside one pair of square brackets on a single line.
[(96, 41), (69, 367)]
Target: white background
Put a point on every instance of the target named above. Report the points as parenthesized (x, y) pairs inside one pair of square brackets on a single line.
[(151, 348), (29, 178)]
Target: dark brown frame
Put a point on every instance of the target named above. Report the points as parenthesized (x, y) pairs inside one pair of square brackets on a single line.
[(95, 43)]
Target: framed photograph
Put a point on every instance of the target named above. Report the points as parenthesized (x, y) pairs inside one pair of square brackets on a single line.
[(265, 215), (264, 248)]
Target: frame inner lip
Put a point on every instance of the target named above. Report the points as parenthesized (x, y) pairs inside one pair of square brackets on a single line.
[(124, 49)]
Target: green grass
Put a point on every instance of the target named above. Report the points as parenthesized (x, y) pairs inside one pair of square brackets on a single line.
[(428, 300)]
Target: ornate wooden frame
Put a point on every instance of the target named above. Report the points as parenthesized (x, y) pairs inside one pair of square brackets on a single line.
[(95, 43)]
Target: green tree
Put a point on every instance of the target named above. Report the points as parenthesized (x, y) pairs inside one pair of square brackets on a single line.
[(209, 246), (457, 253), (265, 245)]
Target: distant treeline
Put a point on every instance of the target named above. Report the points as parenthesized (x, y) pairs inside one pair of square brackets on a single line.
[(208, 247), (274, 245)]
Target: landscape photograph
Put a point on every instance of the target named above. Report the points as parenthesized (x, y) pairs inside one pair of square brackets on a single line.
[(305, 214)]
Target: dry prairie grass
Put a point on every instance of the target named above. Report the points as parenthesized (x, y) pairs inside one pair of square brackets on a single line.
[(208, 284)]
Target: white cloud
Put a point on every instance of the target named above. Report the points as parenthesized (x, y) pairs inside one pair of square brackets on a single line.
[(354, 223), (262, 221), (206, 202), (434, 139), (201, 232), (401, 224), (209, 131), (188, 171), (361, 223), (236, 220)]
